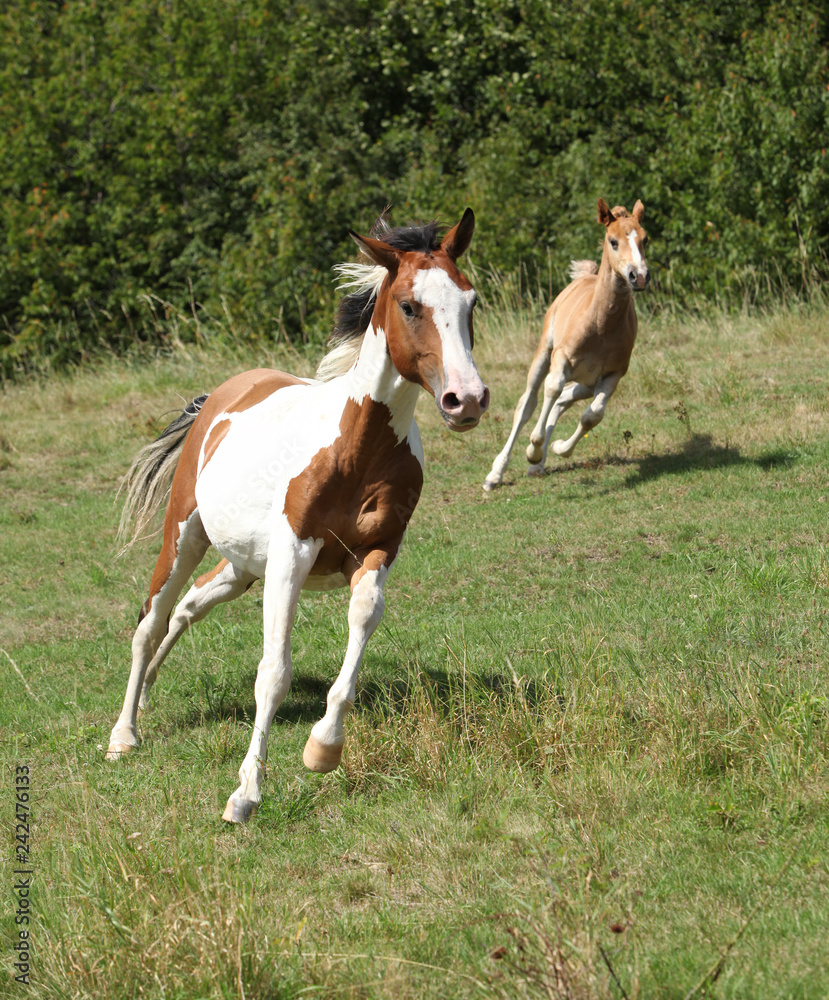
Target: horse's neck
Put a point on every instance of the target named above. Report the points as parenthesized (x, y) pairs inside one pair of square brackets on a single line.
[(374, 379), (612, 296)]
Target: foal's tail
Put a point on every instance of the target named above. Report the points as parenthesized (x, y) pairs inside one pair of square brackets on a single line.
[(147, 483)]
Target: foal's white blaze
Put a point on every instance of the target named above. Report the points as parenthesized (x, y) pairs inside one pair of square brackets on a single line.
[(634, 248), (451, 307)]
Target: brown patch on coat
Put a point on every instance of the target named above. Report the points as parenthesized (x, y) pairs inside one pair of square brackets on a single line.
[(357, 494), (211, 575)]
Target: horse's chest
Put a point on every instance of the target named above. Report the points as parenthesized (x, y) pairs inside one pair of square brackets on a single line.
[(353, 506)]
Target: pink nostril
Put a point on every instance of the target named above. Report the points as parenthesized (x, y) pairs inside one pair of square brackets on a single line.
[(450, 403)]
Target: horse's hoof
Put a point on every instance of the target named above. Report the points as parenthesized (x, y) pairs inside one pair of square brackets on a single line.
[(535, 470), (489, 486), (116, 750), (560, 448), (318, 757), (238, 812)]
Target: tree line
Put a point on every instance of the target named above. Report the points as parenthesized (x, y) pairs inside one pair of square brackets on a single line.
[(164, 155)]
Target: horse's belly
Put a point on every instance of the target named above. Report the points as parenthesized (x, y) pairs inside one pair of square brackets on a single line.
[(331, 581)]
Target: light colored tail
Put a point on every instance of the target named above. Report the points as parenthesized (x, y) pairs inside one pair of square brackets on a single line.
[(581, 268), (147, 483)]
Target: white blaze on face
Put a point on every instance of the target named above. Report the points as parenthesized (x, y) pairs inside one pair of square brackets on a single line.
[(634, 248), (451, 308)]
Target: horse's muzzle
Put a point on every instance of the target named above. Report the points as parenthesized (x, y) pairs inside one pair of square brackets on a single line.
[(639, 280), (463, 412)]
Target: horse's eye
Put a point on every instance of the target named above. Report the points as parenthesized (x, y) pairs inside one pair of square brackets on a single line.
[(407, 309), (614, 244)]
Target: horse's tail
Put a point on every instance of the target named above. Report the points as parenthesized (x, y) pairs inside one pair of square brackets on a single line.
[(581, 268), (147, 483)]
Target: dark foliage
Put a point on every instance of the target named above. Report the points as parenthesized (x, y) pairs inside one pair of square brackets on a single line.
[(161, 156)]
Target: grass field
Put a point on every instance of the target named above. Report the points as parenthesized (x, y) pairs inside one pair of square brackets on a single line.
[(589, 753)]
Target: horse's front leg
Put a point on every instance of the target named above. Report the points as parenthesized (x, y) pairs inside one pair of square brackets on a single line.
[(289, 563), (325, 744)]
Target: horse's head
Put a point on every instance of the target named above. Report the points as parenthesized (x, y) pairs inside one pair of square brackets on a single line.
[(425, 311), (625, 243)]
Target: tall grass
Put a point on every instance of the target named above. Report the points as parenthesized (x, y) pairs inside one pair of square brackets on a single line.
[(589, 752)]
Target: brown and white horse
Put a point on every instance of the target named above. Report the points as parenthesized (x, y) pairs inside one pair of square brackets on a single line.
[(308, 483), (586, 341)]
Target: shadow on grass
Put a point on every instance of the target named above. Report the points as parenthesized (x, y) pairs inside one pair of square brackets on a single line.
[(697, 452), (305, 703)]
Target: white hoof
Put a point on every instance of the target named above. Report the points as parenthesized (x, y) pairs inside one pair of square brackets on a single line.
[(536, 470), (490, 485), (238, 812), (115, 751)]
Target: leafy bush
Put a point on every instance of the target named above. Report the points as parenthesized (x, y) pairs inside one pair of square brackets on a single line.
[(214, 156)]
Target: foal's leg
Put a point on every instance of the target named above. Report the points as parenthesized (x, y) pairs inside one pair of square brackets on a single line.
[(553, 387), (325, 744), (571, 392), (592, 416), (179, 557), (523, 411), (223, 583), (289, 563)]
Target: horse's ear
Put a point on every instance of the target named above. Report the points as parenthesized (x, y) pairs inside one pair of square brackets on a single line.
[(377, 251), (639, 211), (457, 240), (605, 215)]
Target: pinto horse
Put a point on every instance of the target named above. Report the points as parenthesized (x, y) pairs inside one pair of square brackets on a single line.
[(308, 483), (586, 341)]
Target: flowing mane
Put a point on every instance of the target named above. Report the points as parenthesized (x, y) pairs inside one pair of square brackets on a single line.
[(365, 281)]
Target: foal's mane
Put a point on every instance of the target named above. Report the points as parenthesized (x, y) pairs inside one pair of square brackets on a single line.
[(365, 280)]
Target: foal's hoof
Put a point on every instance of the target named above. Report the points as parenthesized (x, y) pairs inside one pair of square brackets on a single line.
[(238, 812), (535, 470), (318, 757), (489, 485), (116, 750)]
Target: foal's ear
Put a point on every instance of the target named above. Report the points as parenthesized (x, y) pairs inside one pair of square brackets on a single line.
[(377, 251), (457, 240), (605, 215), (639, 211)]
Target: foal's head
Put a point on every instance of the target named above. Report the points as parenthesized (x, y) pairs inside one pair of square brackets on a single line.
[(625, 243), (425, 310)]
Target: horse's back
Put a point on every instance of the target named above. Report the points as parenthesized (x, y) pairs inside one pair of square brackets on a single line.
[(593, 342)]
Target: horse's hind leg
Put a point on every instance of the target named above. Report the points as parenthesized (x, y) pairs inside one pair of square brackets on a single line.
[(223, 583), (592, 416), (523, 411), (184, 546)]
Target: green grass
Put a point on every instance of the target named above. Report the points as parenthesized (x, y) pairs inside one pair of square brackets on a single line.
[(589, 752)]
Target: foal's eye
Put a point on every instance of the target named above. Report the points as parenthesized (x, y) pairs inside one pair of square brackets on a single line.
[(407, 309), (614, 244)]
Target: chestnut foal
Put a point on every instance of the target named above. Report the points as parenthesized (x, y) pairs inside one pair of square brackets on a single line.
[(309, 484), (586, 341)]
